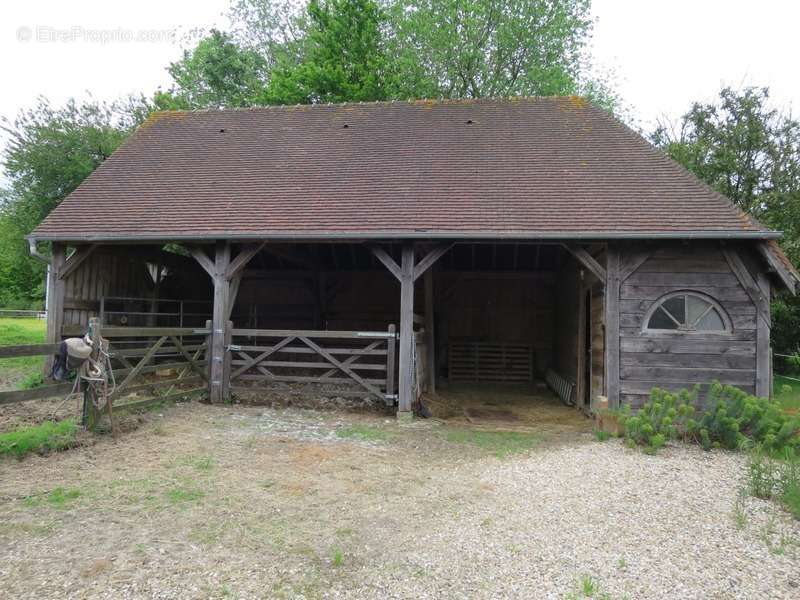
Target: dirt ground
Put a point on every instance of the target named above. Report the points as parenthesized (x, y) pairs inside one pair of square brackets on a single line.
[(246, 502)]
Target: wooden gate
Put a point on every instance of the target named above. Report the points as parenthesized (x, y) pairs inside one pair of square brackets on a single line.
[(329, 363)]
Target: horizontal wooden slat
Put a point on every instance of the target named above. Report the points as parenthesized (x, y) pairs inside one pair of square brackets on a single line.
[(737, 336), (685, 265), (688, 375), (641, 306), (304, 379), (311, 365), (119, 373), (681, 280), (663, 359), (307, 350), (127, 332), (260, 389), (45, 391), (28, 350), (132, 352), (310, 333), (687, 345), (651, 292)]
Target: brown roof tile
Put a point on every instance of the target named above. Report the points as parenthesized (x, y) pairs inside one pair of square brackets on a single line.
[(533, 167)]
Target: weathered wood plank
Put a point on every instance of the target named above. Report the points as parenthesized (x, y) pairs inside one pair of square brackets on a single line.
[(76, 259), (680, 280), (238, 264), (687, 345), (56, 292), (28, 350), (612, 326), (406, 391), (391, 345), (341, 366), (653, 292), (360, 335), (312, 379), (736, 336), (46, 391), (174, 397), (429, 259), (138, 368), (763, 362), (141, 332), (687, 360), (689, 375)]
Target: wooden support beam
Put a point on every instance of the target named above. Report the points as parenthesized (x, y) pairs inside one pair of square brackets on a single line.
[(236, 282), (55, 300), (778, 267), (429, 336), (388, 261), (201, 257), (405, 387), (612, 358), (219, 322), (587, 260), (749, 283), (242, 259), (76, 260), (763, 350), (429, 259)]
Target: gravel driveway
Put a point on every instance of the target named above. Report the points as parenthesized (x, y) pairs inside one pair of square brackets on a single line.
[(212, 502)]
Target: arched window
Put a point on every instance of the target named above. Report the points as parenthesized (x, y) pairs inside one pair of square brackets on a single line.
[(687, 311)]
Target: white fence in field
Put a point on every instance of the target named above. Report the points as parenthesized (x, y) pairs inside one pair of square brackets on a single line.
[(23, 314)]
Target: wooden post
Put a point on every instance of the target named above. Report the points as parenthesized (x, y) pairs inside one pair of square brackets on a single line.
[(763, 375), (405, 397), (430, 354), (226, 371), (90, 413), (55, 298), (391, 345), (219, 319), (612, 326)]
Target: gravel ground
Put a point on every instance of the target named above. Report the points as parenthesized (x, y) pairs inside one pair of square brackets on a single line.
[(207, 502)]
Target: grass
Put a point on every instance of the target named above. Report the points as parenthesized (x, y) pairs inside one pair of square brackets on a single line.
[(57, 498), (338, 558), (499, 443), (22, 372), (787, 393), (184, 496), (362, 432), (775, 479), (47, 436)]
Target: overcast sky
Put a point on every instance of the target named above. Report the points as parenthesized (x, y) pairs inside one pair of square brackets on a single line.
[(665, 53)]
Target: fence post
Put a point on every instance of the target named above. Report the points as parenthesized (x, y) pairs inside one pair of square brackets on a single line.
[(391, 343), (91, 415)]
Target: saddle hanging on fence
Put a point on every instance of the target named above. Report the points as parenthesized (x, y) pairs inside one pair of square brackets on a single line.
[(72, 353)]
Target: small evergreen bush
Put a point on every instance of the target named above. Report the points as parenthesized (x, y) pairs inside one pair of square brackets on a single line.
[(734, 420)]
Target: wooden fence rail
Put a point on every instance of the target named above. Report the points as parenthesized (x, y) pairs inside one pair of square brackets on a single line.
[(178, 352)]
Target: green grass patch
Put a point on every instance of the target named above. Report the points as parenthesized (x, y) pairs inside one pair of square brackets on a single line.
[(362, 432), (787, 393), (499, 443), (200, 463), (45, 437), (184, 496), (57, 498), (21, 371), (337, 560)]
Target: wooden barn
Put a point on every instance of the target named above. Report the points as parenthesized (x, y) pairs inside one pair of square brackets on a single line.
[(387, 248)]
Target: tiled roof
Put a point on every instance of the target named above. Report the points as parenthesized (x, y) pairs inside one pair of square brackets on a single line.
[(527, 168)]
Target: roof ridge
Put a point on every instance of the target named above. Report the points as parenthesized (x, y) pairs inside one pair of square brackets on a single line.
[(407, 102)]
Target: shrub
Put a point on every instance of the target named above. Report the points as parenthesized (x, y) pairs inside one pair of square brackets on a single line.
[(666, 416), (736, 419)]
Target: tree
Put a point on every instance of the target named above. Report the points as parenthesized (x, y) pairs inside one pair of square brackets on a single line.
[(749, 152), (49, 153), (475, 48), (344, 57), (216, 73)]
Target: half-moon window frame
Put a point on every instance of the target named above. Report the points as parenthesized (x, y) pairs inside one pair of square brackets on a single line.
[(686, 311)]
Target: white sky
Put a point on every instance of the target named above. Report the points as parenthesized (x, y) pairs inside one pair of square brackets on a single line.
[(666, 53)]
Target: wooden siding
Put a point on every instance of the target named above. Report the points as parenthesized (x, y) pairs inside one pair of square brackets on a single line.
[(678, 360)]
